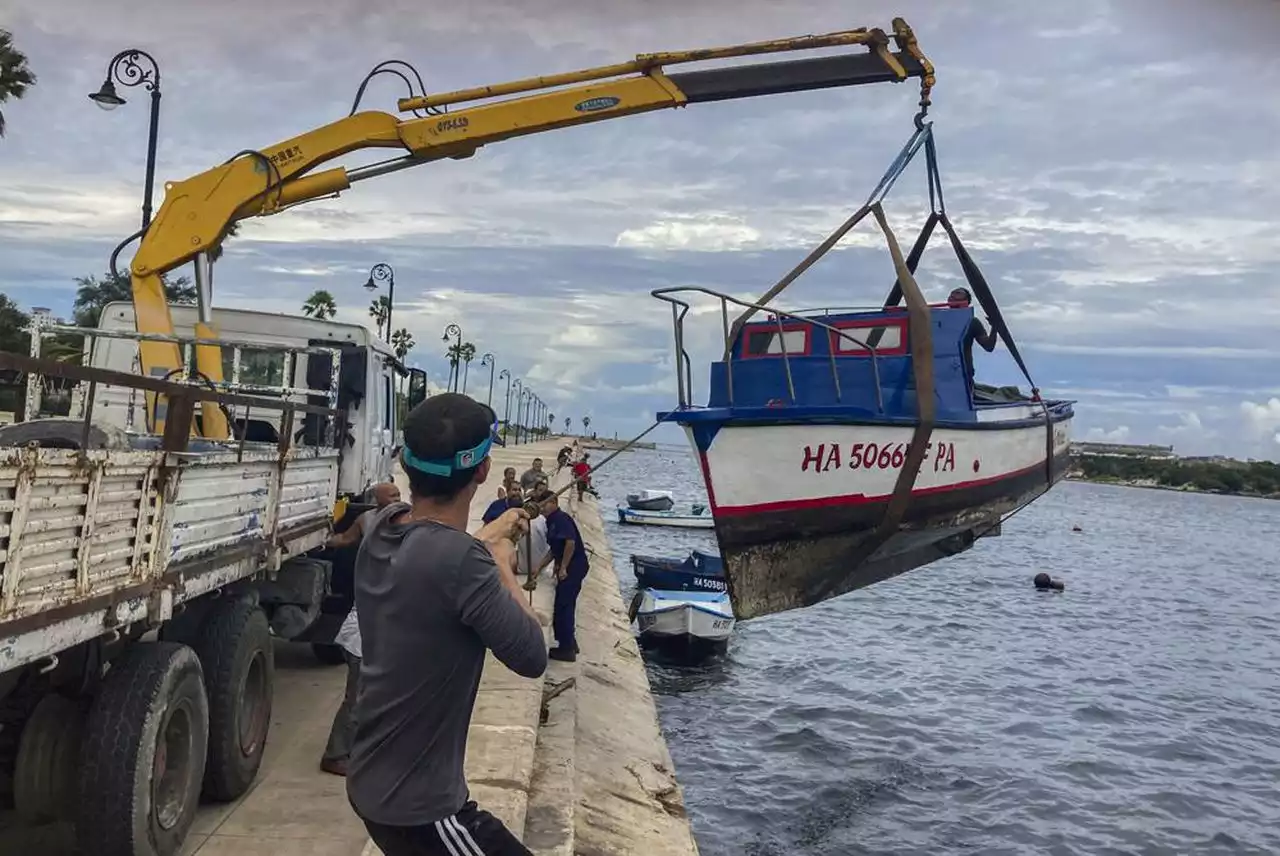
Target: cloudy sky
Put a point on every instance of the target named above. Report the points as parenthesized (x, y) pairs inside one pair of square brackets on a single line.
[(1113, 165)]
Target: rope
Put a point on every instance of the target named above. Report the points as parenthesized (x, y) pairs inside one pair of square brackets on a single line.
[(627, 445)]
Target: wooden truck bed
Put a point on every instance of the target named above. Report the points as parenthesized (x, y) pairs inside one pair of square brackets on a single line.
[(92, 542)]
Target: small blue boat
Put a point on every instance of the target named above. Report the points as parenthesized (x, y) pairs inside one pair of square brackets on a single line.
[(698, 571)]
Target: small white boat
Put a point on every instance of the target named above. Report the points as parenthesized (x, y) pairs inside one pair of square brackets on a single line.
[(684, 616), (698, 518), (651, 500)]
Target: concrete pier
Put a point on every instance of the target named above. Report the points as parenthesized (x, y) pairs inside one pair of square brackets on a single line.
[(585, 772)]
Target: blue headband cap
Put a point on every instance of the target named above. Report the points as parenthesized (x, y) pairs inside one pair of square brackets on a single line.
[(467, 459)]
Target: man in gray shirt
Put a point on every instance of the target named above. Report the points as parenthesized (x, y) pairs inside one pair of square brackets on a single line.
[(431, 599)]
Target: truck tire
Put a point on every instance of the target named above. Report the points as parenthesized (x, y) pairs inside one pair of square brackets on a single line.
[(143, 752), (56, 433), (46, 767), (234, 645), (328, 653)]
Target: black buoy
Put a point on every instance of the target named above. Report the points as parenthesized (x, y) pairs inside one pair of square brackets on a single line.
[(1076, 529), (1044, 582)]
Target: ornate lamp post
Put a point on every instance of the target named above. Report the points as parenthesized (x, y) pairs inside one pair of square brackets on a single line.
[(378, 274), (135, 67), (487, 360), (506, 411), (454, 330)]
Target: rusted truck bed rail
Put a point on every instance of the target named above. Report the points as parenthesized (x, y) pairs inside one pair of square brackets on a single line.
[(95, 542)]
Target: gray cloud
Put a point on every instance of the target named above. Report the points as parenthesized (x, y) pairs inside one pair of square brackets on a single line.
[(1112, 164)]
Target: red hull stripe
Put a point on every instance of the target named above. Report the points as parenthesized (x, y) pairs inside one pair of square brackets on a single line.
[(847, 499)]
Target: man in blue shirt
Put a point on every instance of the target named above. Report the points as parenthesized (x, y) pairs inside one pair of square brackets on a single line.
[(499, 507), (569, 554)]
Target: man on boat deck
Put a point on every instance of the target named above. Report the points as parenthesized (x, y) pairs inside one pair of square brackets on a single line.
[(960, 298)]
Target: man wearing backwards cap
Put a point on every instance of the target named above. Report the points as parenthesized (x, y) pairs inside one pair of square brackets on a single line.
[(431, 599)]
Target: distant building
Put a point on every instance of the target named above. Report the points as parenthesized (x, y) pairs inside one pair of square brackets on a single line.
[(1123, 450)]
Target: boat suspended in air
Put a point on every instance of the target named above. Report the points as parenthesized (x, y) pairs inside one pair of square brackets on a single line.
[(840, 448)]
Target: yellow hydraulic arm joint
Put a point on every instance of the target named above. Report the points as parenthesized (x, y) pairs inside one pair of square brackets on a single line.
[(197, 212)]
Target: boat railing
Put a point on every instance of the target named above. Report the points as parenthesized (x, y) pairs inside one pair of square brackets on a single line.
[(684, 372)]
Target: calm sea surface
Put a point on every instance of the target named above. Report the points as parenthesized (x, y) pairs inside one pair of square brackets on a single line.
[(957, 710)]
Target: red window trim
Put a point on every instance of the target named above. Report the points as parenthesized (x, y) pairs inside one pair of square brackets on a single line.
[(748, 329), (900, 323)]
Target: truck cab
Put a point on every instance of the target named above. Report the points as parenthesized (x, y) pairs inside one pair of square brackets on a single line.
[(369, 376)]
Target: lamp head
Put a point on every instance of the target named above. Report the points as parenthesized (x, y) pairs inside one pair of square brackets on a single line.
[(371, 285), (106, 97)]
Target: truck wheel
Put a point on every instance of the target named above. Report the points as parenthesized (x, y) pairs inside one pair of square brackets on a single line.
[(142, 756), (44, 773), (328, 653), (235, 650)]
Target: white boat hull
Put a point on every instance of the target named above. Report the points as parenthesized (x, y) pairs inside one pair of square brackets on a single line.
[(799, 507), (634, 517), (685, 616), (767, 468)]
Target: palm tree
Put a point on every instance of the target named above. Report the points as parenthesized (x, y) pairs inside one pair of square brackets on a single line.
[(215, 252), (402, 341), (15, 74), (467, 353), (379, 309), (586, 423), (320, 305), (568, 423)]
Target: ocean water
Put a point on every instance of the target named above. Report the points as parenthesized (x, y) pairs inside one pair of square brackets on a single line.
[(957, 710)]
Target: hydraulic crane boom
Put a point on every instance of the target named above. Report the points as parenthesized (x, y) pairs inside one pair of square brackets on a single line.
[(197, 212)]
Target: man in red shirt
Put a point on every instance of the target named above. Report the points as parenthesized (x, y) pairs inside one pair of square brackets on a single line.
[(582, 476)]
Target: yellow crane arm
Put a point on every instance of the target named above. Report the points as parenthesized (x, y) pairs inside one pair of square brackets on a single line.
[(197, 212)]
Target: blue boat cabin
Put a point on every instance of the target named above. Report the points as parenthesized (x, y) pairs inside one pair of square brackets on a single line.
[(865, 368)]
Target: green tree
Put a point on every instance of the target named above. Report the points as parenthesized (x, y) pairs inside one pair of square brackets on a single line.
[(402, 341), (15, 75), (379, 309), (459, 353), (215, 252), (93, 293), (320, 305), (13, 322)]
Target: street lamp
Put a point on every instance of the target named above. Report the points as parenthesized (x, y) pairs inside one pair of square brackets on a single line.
[(519, 385), (378, 274), (135, 67), (488, 360), (506, 411), (527, 394), (454, 330)]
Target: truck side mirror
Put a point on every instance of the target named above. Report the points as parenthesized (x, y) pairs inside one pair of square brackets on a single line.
[(417, 387)]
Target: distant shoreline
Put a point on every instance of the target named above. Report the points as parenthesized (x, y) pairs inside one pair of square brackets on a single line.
[(1186, 488)]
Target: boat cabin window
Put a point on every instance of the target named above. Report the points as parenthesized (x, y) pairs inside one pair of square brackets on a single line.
[(857, 339), (765, 341)]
